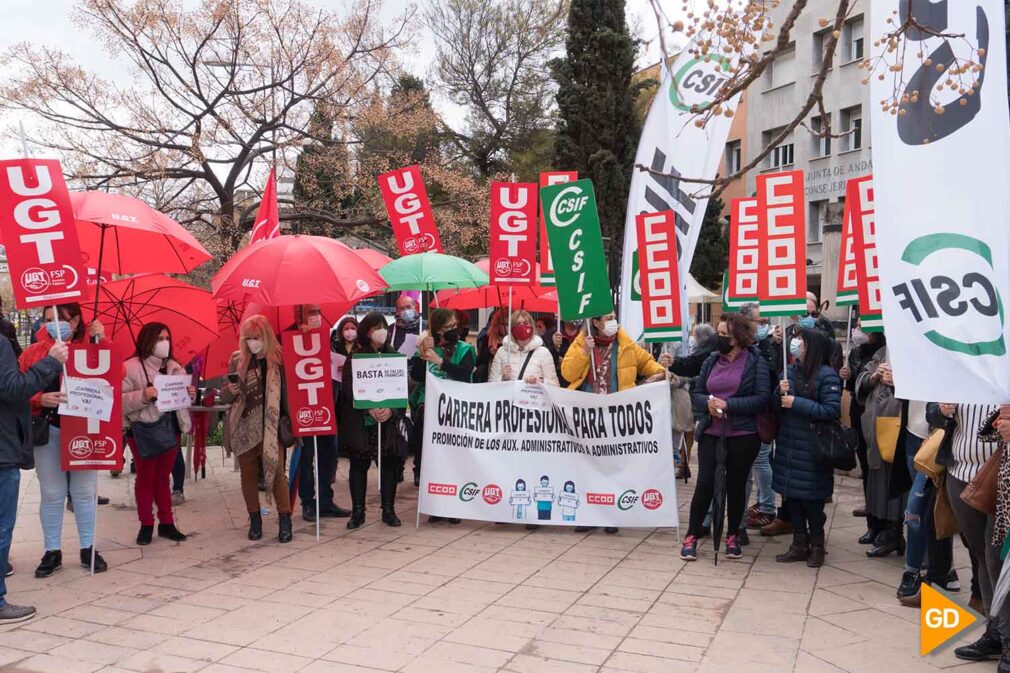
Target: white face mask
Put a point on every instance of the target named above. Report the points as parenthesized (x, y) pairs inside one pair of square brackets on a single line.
[(162, 348), (859, 337), (255, 346), (378, 336), (350, 335), (314, 321), (610, 328)]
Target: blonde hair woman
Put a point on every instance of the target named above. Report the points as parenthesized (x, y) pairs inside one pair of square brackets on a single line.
[(259, 429), (523, 355)]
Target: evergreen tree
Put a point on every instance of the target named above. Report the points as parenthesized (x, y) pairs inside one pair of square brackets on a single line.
[(598, 128), (711, 256)]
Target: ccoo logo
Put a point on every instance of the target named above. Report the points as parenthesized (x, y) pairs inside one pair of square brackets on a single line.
[(971, 297)]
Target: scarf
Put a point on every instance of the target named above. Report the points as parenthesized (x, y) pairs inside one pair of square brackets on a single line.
[(258, 425), (599, 376), (407, 325)]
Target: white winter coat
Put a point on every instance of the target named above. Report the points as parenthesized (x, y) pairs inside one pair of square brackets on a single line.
[(541, 363)]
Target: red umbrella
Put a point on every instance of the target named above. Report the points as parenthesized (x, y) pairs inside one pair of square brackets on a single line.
[(375, 259), (290, 270), (528, 297), (123, 235), (124, 306)]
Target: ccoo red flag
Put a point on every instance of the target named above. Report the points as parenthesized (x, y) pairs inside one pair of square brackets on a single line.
[(268, 219)]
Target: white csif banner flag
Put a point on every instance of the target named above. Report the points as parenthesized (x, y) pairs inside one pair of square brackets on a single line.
[(519, 453), (942, 203), (672, 145)]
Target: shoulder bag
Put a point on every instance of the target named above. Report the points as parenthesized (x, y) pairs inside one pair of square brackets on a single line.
[(155, 438), (925, 457), (980, 492), (834, 445)]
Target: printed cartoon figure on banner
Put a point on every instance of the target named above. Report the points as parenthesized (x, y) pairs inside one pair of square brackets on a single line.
[(513, 248), (782, 284), (309, 386), (409, 211), (39, 233), (89, 443), (659, 277), (546, 262)]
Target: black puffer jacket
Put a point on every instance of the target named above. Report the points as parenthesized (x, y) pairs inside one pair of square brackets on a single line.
[(796, 475), (16, 389)]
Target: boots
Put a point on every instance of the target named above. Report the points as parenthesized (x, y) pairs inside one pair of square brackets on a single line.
[(817, 553), (799, 550), (387, 490), (358, 484), (255, 526), (284, 528), (890, 540)]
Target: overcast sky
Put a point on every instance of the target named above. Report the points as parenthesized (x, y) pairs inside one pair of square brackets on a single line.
[(51, 22)]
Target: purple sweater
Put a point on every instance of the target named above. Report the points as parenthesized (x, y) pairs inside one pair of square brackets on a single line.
[(724, 382)]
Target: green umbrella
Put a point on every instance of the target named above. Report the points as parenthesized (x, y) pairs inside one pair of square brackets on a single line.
[(431, 271)]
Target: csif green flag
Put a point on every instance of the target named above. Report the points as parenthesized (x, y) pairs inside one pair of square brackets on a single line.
[(580, 265)]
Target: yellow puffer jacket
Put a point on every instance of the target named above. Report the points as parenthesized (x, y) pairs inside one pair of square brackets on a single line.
[(633, 362)]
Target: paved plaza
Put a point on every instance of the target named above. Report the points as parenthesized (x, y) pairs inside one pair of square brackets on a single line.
[(441, 598)]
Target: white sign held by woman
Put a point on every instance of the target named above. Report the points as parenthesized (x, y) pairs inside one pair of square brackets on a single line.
[(172, 392)]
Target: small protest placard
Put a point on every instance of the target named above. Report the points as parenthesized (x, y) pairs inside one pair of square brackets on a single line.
[(87, 398), (379, 380), (172, 393)]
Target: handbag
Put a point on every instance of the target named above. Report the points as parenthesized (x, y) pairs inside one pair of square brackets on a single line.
[(285, 434), (925, 457), (980, 492), (943, 515), (40, 430), (888, 429), (155, 438), (834, 445), (767, 426)]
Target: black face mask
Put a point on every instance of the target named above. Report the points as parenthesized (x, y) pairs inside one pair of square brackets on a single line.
[(463, 332), (723, 345), (450, 337)]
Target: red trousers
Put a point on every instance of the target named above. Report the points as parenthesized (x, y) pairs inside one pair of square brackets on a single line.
[(152, 486)]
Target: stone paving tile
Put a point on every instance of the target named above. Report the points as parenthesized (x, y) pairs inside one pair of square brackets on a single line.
[(472, 598)]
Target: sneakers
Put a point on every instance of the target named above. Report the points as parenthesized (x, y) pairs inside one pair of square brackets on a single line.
[(985, 648), (12, 614), (100, 565), (51, 562), (951, 583), (743, 537), (178, 497), (733, 549), (759, 519), (10, 570), (689, 550), (910, 583), (777, 527)]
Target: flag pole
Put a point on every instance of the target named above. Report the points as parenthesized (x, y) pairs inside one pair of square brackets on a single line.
[(315, 463)]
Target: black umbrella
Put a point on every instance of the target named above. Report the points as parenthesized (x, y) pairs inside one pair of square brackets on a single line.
[(719, 491)]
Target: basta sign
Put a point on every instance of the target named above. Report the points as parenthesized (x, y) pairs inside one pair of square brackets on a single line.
[(409, 211), (310, 394), (39, 233), (87, 443), (513, 248)]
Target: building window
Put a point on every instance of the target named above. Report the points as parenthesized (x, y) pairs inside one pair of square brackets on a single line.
[(782, 70), (821, 144), (734, 157), (852, 126), (852, 36), (817, 212), (782, 155), (820, 39)]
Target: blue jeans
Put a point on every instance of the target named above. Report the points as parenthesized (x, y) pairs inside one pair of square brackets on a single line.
[(762, 471), (10, 480), (915, 510), (54, 484)]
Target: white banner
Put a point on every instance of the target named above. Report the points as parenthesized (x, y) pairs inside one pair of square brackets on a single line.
[(942, 202), (519, 453), (672, 145)]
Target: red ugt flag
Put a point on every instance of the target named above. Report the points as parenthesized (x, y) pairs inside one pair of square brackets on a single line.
[(268, 218)]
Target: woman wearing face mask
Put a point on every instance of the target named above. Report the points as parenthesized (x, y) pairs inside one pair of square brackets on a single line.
[(523, 356), (359, 431), (562, 340), (811, 393), (258, 425), (489, 343), (442, 353), (733, 388), (55, 483), (864, 346), (154, 466)]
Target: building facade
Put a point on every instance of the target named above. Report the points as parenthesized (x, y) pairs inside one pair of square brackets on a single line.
[(827, 163)]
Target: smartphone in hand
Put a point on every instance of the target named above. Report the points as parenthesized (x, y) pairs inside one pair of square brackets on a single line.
[(233, 377)]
